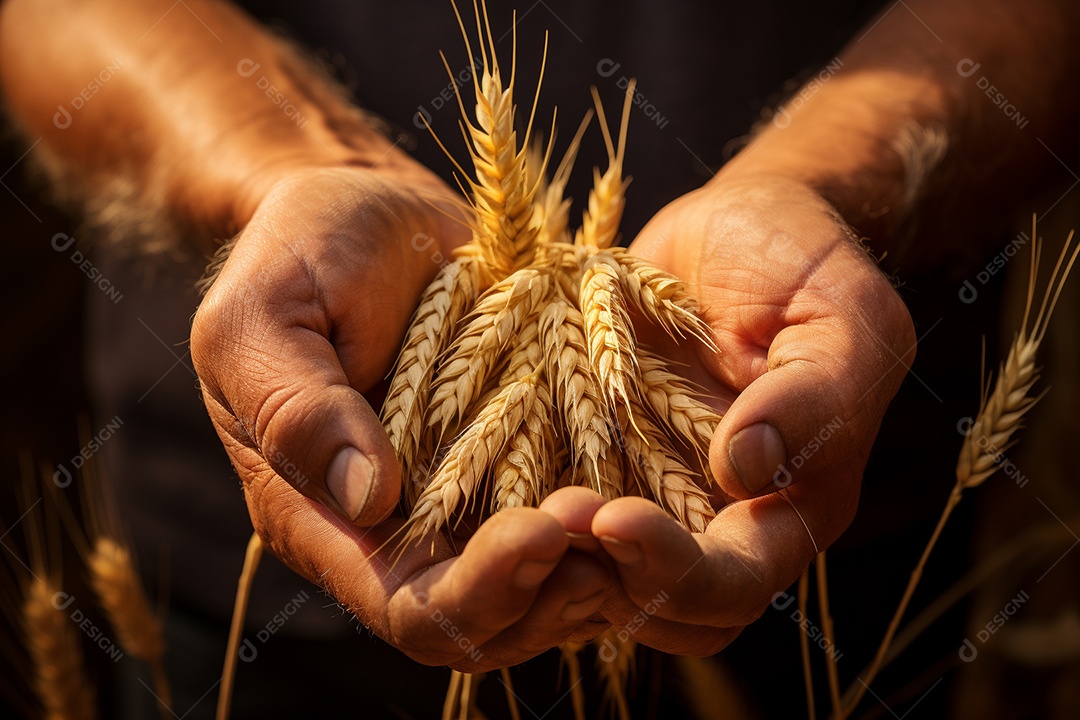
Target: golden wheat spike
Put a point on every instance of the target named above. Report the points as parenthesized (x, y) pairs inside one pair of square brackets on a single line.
[(661, 297), (1001, 411), (120, 592), (444, 303), (600, 223), (678, 406), (610, 334), (459, 478), (488, 332), (661, 473), (585, 414), (56, 653)]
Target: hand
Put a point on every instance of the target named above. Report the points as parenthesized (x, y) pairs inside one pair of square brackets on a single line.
[(306, 316), (814, 343)]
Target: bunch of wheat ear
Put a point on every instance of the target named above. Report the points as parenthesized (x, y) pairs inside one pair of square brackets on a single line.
[(521, 371)]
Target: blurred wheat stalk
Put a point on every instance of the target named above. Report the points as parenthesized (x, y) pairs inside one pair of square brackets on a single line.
[(1002, 408)]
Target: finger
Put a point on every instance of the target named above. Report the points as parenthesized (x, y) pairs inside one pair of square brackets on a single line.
[(574, 507), (575, 591), (725, 577), (445, 613), (831, 372), (265, 360)]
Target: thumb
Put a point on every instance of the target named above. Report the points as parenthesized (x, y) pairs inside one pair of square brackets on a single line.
[(817, 409), (279, 397)]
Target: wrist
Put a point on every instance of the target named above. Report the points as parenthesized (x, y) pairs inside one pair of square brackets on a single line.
[(871, 160)]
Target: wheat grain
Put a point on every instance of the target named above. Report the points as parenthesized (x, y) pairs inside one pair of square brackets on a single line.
[(56, 654)]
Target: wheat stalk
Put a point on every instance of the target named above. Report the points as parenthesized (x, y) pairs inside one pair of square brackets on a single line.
[(1001, 412), (615, 661)]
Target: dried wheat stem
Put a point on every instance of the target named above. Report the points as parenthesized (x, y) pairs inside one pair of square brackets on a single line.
[(569, 651), (56, 653), (804, 645), (615, 661), (828, 631), (252, 557)]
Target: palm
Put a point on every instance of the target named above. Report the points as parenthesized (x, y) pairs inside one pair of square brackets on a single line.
[(811, 336)]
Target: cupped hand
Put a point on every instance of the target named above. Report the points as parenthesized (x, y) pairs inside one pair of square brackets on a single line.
[(814, 343), (306, 318)]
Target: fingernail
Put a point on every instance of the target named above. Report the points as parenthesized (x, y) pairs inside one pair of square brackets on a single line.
[(758, 455), (349, 480), (531, 574), (581, 609), (624, 553)]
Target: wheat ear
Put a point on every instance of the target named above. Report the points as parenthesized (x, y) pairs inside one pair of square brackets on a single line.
[(56, 653), (1001, 412), (520, 472), (585, 415), (610, 334), (660, 471), (661, 297), (444, 303), (600, 223), (489, 330), (501, 194), (554, 205), (120, 592), (677, 405), (460, 474), (615, 661)]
